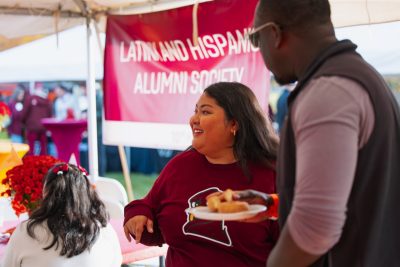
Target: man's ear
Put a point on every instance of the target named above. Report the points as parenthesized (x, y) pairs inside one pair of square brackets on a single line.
[(277, 33)]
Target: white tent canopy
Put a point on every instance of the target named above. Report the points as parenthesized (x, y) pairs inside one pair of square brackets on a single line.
[(20, 18), (44, 60), (31, 17), (63, 57), (361, 12), (378, 44)]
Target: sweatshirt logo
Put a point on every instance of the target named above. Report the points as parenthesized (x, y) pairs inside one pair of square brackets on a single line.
[(214, 231)]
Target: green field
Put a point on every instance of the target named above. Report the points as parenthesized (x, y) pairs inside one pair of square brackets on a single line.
[(3, 135), (141, 183)]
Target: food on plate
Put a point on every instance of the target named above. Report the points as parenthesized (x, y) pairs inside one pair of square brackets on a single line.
[(213, 203), (228, 195), (223, 202), (233, 206)]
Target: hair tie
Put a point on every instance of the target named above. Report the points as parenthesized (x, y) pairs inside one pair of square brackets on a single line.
[(83, 170), (60, 169)]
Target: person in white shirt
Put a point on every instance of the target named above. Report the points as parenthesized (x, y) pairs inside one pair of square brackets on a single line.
[(66, 105), (70, 228)]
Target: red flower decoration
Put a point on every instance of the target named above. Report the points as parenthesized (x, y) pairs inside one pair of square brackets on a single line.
[(5, 114), (25, 182), (4, 109)]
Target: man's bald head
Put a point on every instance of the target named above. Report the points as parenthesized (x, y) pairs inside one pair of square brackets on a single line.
[(295, 14), (298, 30)]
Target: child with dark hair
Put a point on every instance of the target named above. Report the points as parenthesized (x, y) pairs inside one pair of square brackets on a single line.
[(70, 228)]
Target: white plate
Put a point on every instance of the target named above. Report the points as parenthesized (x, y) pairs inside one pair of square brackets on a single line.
[(205, 214)]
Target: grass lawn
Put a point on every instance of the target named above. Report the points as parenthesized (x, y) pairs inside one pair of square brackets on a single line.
[(141, 183), (3, 135)]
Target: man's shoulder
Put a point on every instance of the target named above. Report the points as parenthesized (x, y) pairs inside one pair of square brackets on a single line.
[(334, 85), (330, 99)]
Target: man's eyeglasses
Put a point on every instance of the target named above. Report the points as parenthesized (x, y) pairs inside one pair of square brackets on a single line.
[(254, 34)]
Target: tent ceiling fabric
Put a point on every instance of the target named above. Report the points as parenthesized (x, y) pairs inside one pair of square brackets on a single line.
[(19, 26), (360, 12), (21, 18)]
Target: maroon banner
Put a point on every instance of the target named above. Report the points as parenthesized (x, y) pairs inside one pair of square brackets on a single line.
[(155, 72)]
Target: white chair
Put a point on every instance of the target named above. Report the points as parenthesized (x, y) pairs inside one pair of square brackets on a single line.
[(113, 195), (114, 208), (111, 189)]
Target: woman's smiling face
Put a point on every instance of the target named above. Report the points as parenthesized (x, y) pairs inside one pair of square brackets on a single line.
[(212, 133)]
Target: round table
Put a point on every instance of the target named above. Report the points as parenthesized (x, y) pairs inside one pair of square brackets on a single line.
[(66, 135)]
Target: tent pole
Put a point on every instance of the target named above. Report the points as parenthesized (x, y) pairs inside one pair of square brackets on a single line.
[(91, 94), (125, 170), (121, 150)]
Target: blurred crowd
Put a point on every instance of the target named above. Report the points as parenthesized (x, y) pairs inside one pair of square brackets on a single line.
[(68, 100), (30, 105)]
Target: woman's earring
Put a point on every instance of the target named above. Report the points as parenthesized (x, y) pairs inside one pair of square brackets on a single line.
[(234, 132)]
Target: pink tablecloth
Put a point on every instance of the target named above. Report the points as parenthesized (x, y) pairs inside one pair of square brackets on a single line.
[(131, 252), (66, 134)]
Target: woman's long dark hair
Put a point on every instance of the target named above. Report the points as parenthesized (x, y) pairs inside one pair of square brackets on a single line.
[(72, 210), (255, 139)]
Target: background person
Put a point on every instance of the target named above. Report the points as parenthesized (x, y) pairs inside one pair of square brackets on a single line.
[(16, 127), (338, 176), (70, 227), (282, 106), (36, 107), (233, 146), (66, 105)]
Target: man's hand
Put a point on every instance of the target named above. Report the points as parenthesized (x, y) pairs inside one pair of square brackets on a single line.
[(135, 226), (256, 197), (253, 197)]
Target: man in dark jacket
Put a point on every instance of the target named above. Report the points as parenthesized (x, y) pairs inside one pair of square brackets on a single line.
[(338, 171)]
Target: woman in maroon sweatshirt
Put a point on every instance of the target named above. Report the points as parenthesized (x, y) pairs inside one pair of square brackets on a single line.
[(234, 146)]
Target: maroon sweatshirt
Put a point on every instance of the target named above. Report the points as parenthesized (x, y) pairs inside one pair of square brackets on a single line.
[(185, 182), (35, 109)]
